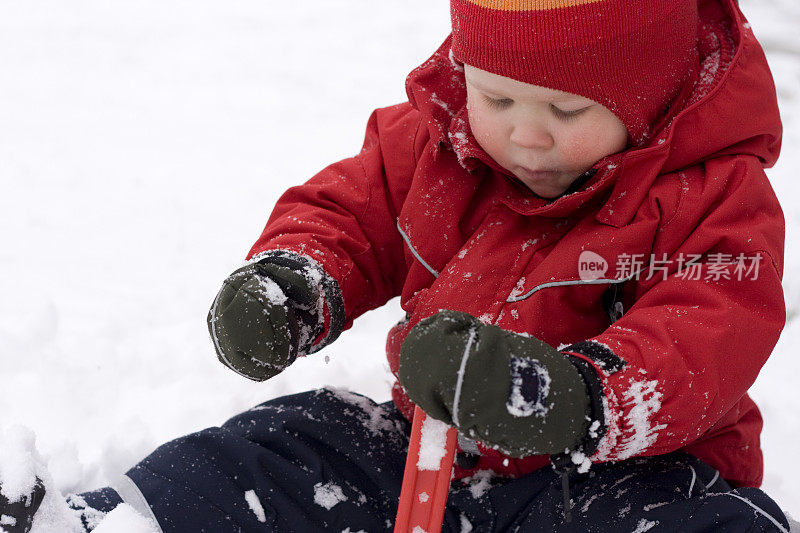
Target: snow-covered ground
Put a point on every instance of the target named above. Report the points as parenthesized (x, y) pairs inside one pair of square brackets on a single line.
[(142, 145)]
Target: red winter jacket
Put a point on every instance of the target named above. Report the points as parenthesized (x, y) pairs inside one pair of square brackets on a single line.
[(663, 270)]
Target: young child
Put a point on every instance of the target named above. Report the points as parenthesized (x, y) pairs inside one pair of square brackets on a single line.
[(573, 209)]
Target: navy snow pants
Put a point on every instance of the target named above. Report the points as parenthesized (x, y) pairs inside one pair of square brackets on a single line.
[(332, 460)]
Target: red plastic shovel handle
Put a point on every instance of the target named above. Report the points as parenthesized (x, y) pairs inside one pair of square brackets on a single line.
[(424, 493)]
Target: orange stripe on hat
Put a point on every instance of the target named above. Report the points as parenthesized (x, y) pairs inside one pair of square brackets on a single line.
[(529, 5)]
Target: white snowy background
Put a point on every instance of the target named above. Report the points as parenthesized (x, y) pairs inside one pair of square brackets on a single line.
[(142, 146)]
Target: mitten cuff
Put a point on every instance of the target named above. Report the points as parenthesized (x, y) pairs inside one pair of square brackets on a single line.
[(594, 361), (596, 427)]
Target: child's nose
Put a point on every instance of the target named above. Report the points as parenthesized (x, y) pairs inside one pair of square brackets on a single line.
[(532, 134)]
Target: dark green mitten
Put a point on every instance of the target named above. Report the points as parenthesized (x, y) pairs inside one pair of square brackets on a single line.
[(510, 391), (263, 317)]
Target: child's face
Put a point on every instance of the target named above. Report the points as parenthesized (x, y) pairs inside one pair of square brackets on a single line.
[(546, 138)]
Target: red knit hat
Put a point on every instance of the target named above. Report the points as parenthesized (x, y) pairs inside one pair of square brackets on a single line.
[(632, 57)]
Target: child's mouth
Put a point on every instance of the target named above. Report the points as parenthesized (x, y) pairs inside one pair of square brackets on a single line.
[(537, 175)]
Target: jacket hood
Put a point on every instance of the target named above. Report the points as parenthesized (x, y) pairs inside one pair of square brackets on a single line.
[(731, 110)]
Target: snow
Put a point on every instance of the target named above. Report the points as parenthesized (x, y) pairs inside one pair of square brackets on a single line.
[(90, 516), (642, 401), (18, 463), (328, 495), (143, 145), (124, 519), (581, 461), (466, 526), (375, 419), (271, 291), (255, 505), (479, 482), (644, 525), (520, 406), (593, 429), (432, 444)]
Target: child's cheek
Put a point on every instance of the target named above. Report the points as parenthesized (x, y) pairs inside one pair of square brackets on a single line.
[(475, 119), (484, 129), (580, 146), (588, 145)]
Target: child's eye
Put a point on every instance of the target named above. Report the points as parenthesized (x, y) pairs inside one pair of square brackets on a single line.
[(497, 104), (566, 115)]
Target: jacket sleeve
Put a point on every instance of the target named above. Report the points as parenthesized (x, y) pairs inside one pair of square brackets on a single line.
[(344, 219), (682, 357)]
